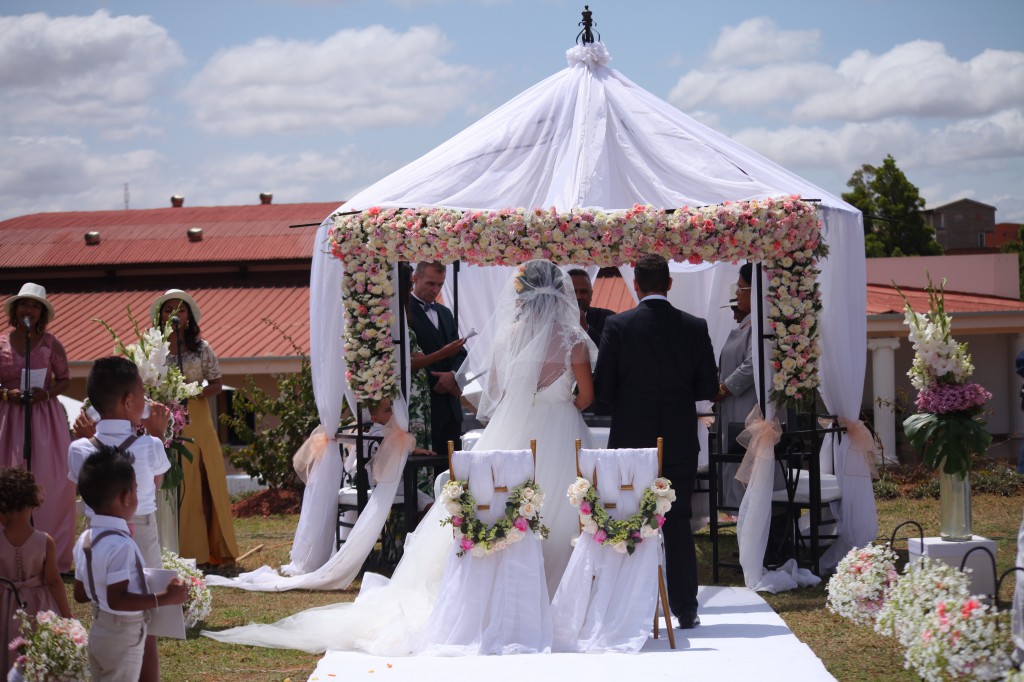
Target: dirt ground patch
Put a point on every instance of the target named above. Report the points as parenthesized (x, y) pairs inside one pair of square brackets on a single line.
[(267, 502)]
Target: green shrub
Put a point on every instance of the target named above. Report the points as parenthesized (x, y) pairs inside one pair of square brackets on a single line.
[(886, 488), (925, 490), (997, 479)]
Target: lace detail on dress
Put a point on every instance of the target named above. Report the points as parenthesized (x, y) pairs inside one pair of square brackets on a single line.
[(198, 366)]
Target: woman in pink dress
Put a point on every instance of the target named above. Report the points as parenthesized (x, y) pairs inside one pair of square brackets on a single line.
[(50, 435)]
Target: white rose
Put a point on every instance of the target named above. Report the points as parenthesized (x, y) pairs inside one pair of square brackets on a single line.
[(478, 550), (661, 486), (574, 501), (453, 508), (579, 487), (647, 531), (513, 536), (662, 505), (501, 544), (528, 494), (620, 547), (589, 525), (453, 490)]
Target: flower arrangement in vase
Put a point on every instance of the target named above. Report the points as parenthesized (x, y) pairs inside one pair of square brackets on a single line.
[(949, 426)]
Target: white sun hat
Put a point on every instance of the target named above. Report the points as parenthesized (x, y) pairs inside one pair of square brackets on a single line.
[(36, 292), (171, 294)]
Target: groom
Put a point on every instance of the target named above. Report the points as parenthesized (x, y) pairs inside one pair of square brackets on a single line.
[(654, 364)]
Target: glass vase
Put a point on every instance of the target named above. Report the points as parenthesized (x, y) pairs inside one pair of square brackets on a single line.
[(167, 519), (955, 506)]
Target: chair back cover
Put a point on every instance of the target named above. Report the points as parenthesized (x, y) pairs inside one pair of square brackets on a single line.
[(606, 599), (496, 603)]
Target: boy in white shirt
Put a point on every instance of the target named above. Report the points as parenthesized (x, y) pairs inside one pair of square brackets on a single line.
[(116, 392), (108, 569)]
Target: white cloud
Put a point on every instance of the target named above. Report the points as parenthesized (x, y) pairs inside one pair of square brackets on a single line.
[(295, 177), (1000, 135), (740, 89), (372, 77), (63, 174), (95, 70), (918, 79), (761, 41)]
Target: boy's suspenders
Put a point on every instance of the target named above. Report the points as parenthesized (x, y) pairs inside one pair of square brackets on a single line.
[(87, 549), (124, 446)]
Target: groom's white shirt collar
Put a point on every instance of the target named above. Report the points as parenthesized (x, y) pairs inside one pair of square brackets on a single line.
[(654, 297)]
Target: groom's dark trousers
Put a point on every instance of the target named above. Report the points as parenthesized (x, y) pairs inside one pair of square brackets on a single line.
[(654, 364)]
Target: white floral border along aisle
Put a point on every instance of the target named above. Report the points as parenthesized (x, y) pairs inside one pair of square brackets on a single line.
[(782, 233)]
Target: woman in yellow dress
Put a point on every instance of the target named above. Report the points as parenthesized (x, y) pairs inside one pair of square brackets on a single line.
[(206, 530)]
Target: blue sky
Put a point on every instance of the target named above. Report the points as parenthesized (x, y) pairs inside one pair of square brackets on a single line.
[(313, 100)]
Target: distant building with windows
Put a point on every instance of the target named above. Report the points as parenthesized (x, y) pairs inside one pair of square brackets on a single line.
[(1005, 233), (963, 226)]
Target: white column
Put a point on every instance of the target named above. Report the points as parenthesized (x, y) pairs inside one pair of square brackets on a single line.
[(1016, 415), (883, 379)]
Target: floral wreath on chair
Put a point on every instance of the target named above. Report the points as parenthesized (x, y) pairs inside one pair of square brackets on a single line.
[(522, 514), (622, 536)]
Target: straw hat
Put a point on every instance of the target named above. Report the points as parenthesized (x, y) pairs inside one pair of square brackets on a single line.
[(36, 292), (170, 295)]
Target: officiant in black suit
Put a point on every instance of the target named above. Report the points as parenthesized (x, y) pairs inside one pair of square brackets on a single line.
[(591, 319), (434, 325), (655, 362)]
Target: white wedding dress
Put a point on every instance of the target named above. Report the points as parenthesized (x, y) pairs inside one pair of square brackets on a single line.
[(528, 396)]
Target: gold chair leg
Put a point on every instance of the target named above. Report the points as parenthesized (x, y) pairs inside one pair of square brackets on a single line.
[(663, 598)]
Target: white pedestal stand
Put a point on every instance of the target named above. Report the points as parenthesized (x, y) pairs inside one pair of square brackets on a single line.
[(167, 519), (953, 553)]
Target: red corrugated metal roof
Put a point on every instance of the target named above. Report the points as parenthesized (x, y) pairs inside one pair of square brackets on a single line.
[(231, 320), (612, 293), (230, 233), (883, 299)]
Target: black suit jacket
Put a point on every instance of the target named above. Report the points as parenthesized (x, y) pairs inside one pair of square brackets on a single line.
[(655, 362), (442, 405), (595, 323)]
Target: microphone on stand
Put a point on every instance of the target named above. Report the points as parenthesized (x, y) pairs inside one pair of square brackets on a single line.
[(175, 322), (27, 321)]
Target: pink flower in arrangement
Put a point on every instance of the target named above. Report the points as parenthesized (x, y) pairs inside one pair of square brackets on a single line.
[(969, 606), (521, 524), (600, 536), (457, 521), (660, 519), (585, 508), (467, 544)]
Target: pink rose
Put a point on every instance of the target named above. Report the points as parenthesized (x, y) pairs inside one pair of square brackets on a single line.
[(660, 519), (585, 508), (600, 536), (467, 544), (456, 521), (521, 524)]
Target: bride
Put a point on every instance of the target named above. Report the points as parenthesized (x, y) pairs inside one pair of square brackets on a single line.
[(536, 351)]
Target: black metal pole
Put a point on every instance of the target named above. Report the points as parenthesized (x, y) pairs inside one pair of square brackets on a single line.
[(26, 394), (455, 295), (759, 292)]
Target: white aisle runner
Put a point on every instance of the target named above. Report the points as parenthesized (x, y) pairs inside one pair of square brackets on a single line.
[(740, 637)]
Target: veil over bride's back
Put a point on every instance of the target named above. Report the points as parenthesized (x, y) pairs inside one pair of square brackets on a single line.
[(529, 344)]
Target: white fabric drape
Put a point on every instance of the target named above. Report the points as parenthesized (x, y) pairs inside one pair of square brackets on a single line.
[(1018, 596), (494, 604), (844, 356), (606, 599)]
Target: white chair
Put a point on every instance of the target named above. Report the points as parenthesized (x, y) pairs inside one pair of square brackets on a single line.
[(494, 603), (606, 596)]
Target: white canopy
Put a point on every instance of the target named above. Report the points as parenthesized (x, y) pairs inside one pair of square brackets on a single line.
[(589, 137)]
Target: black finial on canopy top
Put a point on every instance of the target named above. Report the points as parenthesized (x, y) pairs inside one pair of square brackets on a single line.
[(588, 22)]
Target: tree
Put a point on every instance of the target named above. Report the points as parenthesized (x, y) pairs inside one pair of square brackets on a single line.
[(892, 205), (1017, 247)]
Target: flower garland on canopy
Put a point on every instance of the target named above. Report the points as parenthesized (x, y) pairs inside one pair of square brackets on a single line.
[(622, 536), (783, 233), (522, 513)]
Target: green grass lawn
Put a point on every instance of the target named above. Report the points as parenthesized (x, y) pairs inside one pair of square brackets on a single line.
[(850, 652)]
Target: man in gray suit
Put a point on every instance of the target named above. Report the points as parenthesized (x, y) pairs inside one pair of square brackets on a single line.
[(736, 395)]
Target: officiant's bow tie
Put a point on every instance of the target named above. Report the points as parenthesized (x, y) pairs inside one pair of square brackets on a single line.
[(429, 306)]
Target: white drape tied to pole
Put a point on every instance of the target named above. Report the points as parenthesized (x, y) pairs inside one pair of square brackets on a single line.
[(310, 452), (862, 443), (757, 471), (759, 438)]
